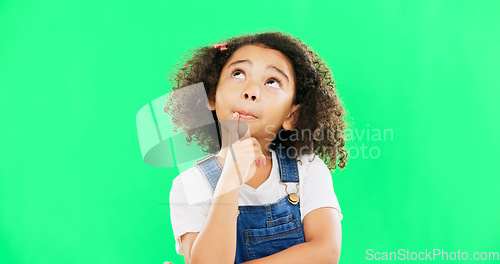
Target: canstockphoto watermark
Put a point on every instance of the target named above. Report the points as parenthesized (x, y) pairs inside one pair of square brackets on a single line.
[(430, 254), (363, 143)]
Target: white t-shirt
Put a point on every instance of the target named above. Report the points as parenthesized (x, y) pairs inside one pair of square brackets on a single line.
[(191, 194)]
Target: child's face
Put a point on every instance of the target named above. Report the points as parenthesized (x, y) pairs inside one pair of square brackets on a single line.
[(259, 81)]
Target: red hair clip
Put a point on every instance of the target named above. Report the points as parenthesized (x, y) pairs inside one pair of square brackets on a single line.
[(221, 46)]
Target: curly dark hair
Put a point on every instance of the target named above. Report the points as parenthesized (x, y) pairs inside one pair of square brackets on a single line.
[(322, 110)]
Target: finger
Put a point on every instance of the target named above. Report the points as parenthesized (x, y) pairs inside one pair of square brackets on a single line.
[(244, 131), (260, 158), (232, 134), (233, 128), (236, 119)]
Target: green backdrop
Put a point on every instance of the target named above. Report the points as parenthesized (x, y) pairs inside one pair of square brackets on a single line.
[(74, 74)]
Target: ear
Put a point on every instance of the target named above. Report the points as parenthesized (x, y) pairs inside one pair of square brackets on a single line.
[(292, 118)]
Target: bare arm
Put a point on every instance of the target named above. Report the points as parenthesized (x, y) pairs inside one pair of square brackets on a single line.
[(187, 241), (216, 242), (323, 236)]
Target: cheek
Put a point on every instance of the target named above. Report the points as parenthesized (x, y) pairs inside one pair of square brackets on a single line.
[(279, 101), (220, 99)]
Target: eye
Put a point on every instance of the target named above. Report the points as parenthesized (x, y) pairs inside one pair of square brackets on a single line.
[(238, 73), (274, 81), (277, 83)]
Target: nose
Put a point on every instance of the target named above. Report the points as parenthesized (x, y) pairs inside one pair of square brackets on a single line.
[(251, 91)]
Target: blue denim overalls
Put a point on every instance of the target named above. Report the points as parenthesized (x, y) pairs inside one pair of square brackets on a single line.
[(263, 230)]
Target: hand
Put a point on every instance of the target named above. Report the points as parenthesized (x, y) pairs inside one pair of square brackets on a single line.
[(242, 154)]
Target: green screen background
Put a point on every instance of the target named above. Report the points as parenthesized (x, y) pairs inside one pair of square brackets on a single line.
[(73, 75)]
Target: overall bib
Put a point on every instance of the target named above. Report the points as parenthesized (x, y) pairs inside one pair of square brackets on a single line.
[(263, 230)]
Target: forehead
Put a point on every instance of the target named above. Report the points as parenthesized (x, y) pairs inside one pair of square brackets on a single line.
[(264, 56)]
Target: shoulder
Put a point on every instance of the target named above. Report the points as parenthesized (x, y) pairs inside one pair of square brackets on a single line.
[(190, 185), (312, 164), (315, 172), (190, 173)]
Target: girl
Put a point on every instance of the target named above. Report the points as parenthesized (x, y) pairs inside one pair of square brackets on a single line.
[(266, 195)]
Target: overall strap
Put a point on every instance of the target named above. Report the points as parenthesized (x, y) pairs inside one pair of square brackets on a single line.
[(289, 171), (210, 167)]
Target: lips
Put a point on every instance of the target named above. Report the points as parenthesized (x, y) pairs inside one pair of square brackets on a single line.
[(246, 114)]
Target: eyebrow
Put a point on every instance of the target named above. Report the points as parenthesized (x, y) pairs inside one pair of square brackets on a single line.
[(268, 67)]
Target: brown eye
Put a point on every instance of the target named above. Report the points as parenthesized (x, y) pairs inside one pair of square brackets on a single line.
[(238, 73), (276, 83)]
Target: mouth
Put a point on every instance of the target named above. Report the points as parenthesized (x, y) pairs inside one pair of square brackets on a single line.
[(246, 115)]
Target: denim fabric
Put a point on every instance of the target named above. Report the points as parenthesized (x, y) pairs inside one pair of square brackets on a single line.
[(263, 230)]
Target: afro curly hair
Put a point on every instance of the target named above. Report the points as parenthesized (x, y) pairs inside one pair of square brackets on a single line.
[(322, 110)]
